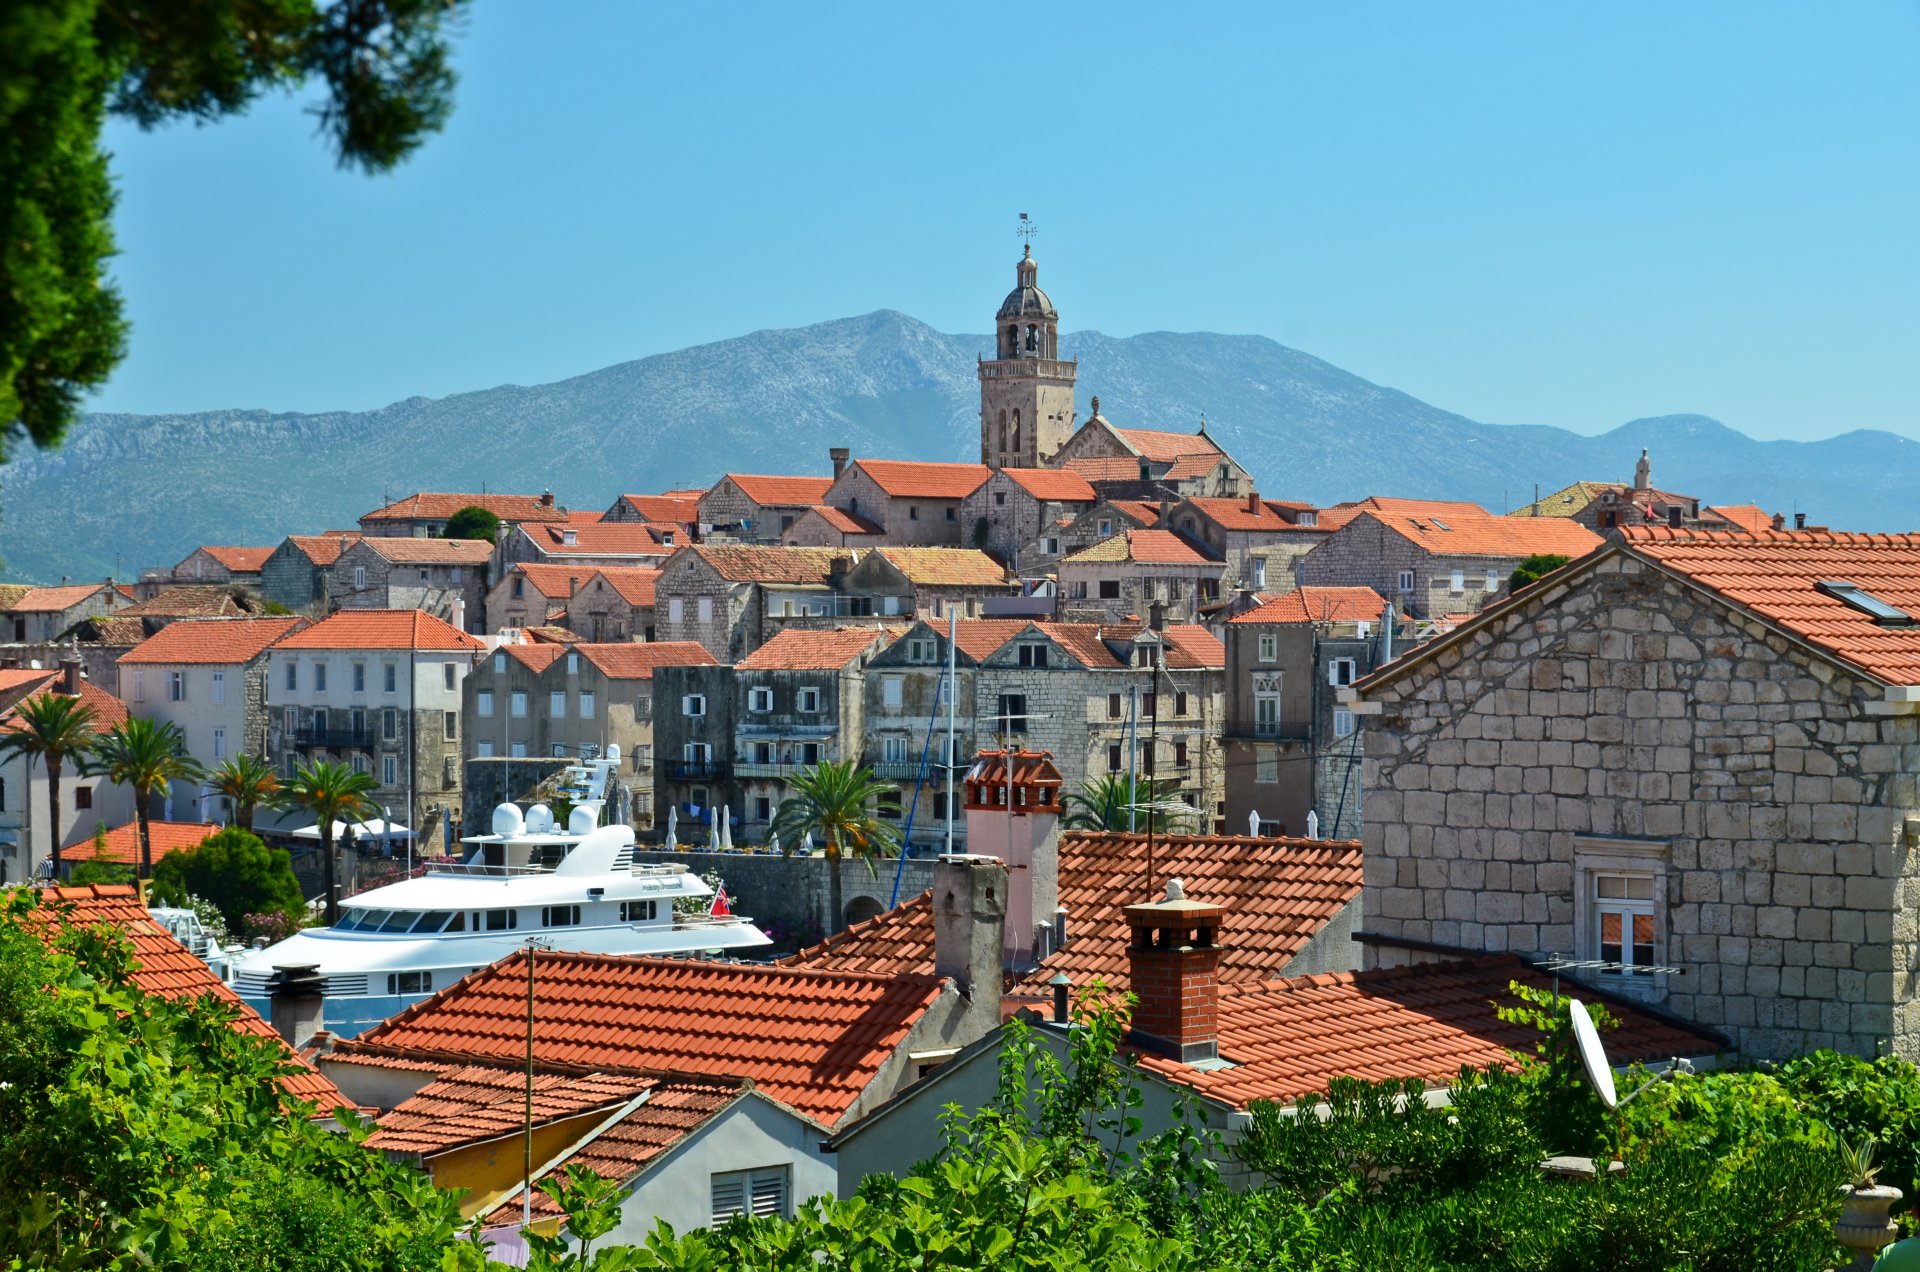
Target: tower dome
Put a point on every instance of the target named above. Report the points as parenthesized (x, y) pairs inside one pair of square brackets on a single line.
[(1026, 300)]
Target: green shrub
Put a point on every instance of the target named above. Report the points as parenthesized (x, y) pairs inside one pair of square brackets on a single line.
[(235, 871)]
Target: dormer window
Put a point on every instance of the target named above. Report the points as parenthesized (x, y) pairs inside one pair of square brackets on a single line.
[(569, 538)]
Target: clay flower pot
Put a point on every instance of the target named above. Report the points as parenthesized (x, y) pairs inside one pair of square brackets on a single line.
[(1863, 1225)]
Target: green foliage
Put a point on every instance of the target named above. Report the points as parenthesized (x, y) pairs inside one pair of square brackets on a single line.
[(1534, 568), (473, 522), (66, 63), (245, 782), (235, 872), (52, 728), (1105, 802), (1860, 1099), (832, 800), (329, 793), (147, 755), (96, 870), (1563, 1103)]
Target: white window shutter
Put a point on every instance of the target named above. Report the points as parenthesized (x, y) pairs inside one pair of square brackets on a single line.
[(729, 1197), (769, 1197)]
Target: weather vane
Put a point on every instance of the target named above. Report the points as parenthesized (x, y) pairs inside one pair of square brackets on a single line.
[(1027, 229)]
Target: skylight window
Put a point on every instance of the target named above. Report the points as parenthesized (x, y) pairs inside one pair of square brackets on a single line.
[(1866, 602), (1439, 524)]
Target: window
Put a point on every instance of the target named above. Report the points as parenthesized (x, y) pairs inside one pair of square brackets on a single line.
[(759, 700), (999, 498), (390, 769), (1180, 755), (1179, 704), (518, 705), (449, 725), (1114, 707), (1266, 715), (913, 513), (1259, 572), (696, 752), (1012, 716), (1106, 527), (483, 750), (1623, 912), (1266, 764), (586, 706), (83, 797), (693, 704), (497, 920), (483, 704), (639, 911), (759, 1193), (893, 748), (1116, 758), (706, 609), (1050, 547), (219, 686), (499, 664), (320, 677), (922, 651), (293, 674), (1457, 582), (892, 691), (558, 750), (557, 706), (140, 684), (359, 677), (952, 514), (219, 744), (676, 610), (1342, 722), (359, 762), (1620, 898), (762, 808), (1033, 655), (292, 722), (1109, 589), (807, 700), (449, 678), (1340, 671), (517, 751), (1406, 580), (409, 982), (320, 721), (390, 677), (359, 719), (559, 916), (458, 574), (519, 588), (359, 576), (809, 752), (573, 664), (176, 686), (1493, 580)]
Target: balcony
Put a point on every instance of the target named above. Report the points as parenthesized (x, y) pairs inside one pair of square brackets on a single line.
[(335, 739), (785, 769), (690, 771), (1271, 731)]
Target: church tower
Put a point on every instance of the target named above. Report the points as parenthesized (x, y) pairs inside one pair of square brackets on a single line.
[(1026, 391)]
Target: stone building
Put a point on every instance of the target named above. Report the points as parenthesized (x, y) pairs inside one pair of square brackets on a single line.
[(693, 729), (754, 508), (596, 543), (616, 604), (1435, 560), (915, 504), (1601, 506), (240, 566), (425, 515), (446, 578), (378, 690), (676, 508), (42, 615), (1026, 390), (1019, 515), (1135, 570), (532, 595), (721, 594), (1143, 462), (829, 527), (1688, 751), (297, 572), (1258, 540)]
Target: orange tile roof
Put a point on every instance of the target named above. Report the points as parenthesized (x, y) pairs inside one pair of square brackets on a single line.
[(107, 709), (166, 968), (407, 550), (1105, 468), (212, 640), (1056, 485), (668, 509), (898, 942), (551, 635), (1190, 645), (797, 649), (1290, 1038), (52, 600), (1139, 509), (1489, 536), (635, 660), (673, 1109), (550, 581), (480, 1102), (954, 567), (604, 538), (633, 583), (1189, 467), (780, 492), (1233, 514), (811, 1039), (1773, 575), (917, 479), (438, 506), (843, 521), (1748, 517), (1446, 509), (978, 638), (238, 560), (534, 657), (381, 629), (324, 549), (741, 563), (1165, 447), (1083, 641), (1144, 547), (123, 842), (1319, 605), (17, 683)]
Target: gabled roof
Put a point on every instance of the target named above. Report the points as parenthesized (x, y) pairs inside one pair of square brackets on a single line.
[(112, 631), (843, 521), (407, 550), (1749, 517), (1189, 467), (604, 538), (1571, 501), (324, 549), (1056, 485), (917, 479), (898, 942), (1140, 510), (1233, 514), (534, 657), (743, 563), (107, 709), (1502, 538), (811, 1039), (1285, 1039), (192, 600), (381, 629), (480, 1102), (1143, 547), (11, 592), (225, 641), (1165, 447), (438, 506), (953, 567), (667, 509), (1448, 509), (554, 582), (123, 842), (52, 600), (633, 583), (17, 683), (635, 660), (1191, 645), (238, 560), (798, 649), (1319, 605), (782, 492), (166, 968)]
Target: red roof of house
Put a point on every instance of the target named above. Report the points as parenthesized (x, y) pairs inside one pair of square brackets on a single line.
[(166, 968), (553, 582), (811, 1039), (743, 563), (324, 549), (1774, 574), (604, 538), (534, 657), (1195, 464), (635, 660), (52, 600), (1748, 517), (1191, 645), (481, 1101), (1105, 468), (1290, 1038), (123, 842), (1144, 547), (1139, 509), (1448, 509), (438, 506), (798, 649), (917, 479), (17, 683), (1057, 485), (634, 583), (107, 709), (898, 942), (665, 509), (782, 492), (1233, 514), (1319, 605), (843, 521), (407, 550), (225, 641), (1164, 447), (381, 629), (1488, 535), (238, 560)]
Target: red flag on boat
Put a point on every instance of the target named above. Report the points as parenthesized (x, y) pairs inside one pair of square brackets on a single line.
[(720, 909)]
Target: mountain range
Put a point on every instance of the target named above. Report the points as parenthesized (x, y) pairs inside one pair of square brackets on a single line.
[(133, 491)]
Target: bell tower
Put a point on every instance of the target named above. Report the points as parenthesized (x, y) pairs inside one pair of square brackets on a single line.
[(1026, 391)]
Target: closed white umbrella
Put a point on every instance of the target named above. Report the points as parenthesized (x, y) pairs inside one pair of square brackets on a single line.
[(673, 824), (726, 827), (1253, 822)]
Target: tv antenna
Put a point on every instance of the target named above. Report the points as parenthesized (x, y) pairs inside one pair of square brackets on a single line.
[(1027, 229)]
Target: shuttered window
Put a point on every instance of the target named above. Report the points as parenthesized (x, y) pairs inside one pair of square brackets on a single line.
[(761, 1193)]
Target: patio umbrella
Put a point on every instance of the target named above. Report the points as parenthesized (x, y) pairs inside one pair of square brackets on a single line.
[(673, 824)]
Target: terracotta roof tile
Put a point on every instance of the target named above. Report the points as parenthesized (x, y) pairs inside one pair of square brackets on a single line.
[(954, 567), (534, 657), (554, 582), (481, 1102), (381, 629), (1105, 468), (741, 563), (1487, 535), (123, 842), (633, 583), (407, 550), (843, 521), (1083, 641), (1290, 1038), (238, 560), (107, 709), (635, 660), (1055, 485), (1446, 509), (1233, 514), (898, 942), (1749, 517), (811, 1039), (680, 510), (917, 479), (1319, 605), (798, 649), (324, 549), (192, 600), (166, 968), (1165, 447), (438, 506), (212, 640), (781, 492), (1190, 645), (1192, 466), (52, 600), (551, 635), (1139, 509), (1145, 547), (605, 538), (1773, 575)]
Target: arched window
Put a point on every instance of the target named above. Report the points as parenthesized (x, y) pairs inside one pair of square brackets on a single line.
[(1015, 445), (1003, 428), (1012, 348), (1033, 338)]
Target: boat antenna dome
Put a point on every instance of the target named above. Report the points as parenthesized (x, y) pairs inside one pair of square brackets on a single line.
[(539, 820), (507, 820)]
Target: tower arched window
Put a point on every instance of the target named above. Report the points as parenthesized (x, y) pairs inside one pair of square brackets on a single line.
[(1013, 341), (1016, 431), (1003, 428), (1033, 338)]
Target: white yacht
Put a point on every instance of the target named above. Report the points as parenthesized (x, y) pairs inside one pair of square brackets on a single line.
[(572, 889)]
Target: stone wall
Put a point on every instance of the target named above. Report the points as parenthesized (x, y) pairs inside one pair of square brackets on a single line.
[(790, 894), (1364, 553), (1623, 720)]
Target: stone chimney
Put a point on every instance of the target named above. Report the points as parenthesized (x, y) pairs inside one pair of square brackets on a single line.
[(70, 669), (546, 499), (1157, 616), (1674, 514), (297, 1002), (969, 930), (1173, 966), (1779, 521), (1799, 521), (839, 455), (1025, 834)]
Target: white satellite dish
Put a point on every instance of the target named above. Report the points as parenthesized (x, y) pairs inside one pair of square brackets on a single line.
[(539, 820), (1593, 1056)]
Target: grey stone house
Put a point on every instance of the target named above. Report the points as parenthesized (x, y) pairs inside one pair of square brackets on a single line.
[(798, 699), (722, 594), (1019, 515), (1687, 751), (1258, 540), (913, 503), (425, 515), (693, 729), (298, 572), (1127, 575), (756, 508), (446, 578)]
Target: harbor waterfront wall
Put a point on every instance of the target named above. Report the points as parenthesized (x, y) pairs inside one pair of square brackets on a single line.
[(788, 896)]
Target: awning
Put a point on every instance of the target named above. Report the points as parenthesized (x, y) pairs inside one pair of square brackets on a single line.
[(374, 828)]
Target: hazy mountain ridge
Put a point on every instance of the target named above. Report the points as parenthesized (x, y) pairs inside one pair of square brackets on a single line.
[(142, 490)]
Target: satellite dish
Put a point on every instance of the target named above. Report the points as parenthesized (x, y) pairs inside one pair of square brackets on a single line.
[(507, 820), (583, 819), (539, 820), (1593, 1056)]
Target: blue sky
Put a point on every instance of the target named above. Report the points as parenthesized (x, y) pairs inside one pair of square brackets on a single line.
[(1526, 213)]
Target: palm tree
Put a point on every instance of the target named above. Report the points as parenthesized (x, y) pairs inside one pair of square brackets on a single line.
[(52, 728), (247, 782), (830, 801), (331, 793), (1104, 803), (148, 755)]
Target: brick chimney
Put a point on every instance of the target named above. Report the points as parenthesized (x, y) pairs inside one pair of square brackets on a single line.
[(297, 1002), (1026, 836), (1173, 963), (546, 499), (70, 670), (839, 455), (1779, 521), (969, 931), (1253, 501)]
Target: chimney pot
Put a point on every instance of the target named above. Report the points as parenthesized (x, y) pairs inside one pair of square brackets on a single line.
[(839, 455), (1062, 998), (1253, 501), (546, 499), (1673, 516), (297, 1002), (1799, 521), (1779, 521)]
